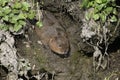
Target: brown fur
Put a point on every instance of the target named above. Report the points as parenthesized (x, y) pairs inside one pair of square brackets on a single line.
[(53, 35)]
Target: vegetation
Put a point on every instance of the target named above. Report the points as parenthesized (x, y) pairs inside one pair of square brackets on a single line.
[(99, 17), (13, 14), (103, 10), (96, 29)]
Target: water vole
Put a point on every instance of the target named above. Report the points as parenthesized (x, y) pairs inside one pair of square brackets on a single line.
[(53, 35)]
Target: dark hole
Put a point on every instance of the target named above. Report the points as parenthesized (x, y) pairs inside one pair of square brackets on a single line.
[(23, 77), (50, 76), (118, 2), (114, 46), (4, 69), (33, 78), (3, 72)]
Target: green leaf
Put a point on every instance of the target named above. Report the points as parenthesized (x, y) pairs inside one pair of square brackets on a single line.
[(113, 18), (90, 4), (108, 10), (1, 14), (104, 1), (21, 16), (103, 17), (115, 11), (3, 2), (31, 14), (98, 1), (99, 7), (112, 0), (25, 6), (3, 27), (17, 5), (21, 22), (15, 11), (11, 15), (87, 16), (17, 27), (5, 18), (39, 24), (6, 10), (85, 3), (96, 16), (14, 19)]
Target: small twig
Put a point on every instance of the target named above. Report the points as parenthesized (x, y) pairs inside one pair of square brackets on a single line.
[(117, 6), (118, 23), (91, 44), (53, 74), (38, 11)]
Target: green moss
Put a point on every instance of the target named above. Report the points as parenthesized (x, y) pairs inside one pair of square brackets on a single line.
[(41, 60), (76, 56)]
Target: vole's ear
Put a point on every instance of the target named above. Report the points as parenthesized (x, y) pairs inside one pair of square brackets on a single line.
[(60, 32), (52, 39), (55, 38)]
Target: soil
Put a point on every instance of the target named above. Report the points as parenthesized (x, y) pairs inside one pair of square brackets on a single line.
[(77, 66)]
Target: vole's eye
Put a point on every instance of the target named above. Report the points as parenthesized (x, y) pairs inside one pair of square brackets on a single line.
[(55, 38), (60, 46)]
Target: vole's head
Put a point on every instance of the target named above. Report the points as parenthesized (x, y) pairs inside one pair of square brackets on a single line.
[(59, 44)]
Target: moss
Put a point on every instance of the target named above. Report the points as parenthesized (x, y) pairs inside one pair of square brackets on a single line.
[(40, 58), (75, 57), (74, 63)]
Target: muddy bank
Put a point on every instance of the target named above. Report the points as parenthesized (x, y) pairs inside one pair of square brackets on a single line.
[(77, 66)]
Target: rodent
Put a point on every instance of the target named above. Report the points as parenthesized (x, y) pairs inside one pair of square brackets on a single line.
[(53, 35)]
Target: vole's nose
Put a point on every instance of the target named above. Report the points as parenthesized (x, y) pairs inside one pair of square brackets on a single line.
[(66, 52)]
